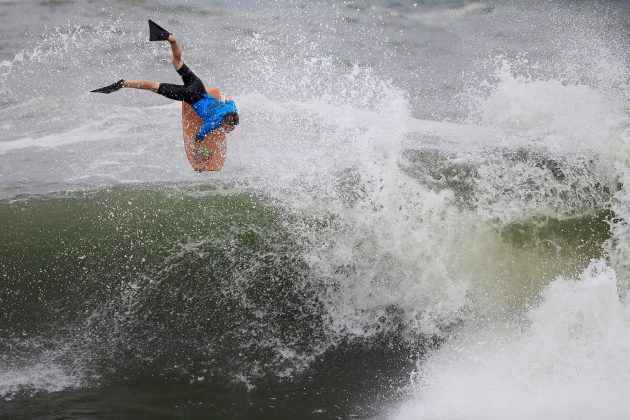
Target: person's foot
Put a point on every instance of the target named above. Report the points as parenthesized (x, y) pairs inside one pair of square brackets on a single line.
[(171, 38)]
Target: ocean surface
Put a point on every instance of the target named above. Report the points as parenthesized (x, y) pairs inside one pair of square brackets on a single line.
[(422, 215)]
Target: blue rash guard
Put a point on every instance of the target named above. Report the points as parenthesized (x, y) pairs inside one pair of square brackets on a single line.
[(211, 110)]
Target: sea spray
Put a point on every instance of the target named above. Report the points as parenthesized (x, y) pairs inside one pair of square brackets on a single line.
[(567, 361), (561, 155)]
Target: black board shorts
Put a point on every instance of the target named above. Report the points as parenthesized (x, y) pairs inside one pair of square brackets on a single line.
[(192, 90)]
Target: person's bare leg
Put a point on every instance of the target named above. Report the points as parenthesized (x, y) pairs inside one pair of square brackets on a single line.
[(177, 52), (142, 84), (154, 86)]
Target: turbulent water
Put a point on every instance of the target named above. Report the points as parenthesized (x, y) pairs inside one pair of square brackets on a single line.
[(422, 215)]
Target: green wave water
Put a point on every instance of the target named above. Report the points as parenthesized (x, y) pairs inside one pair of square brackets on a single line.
[(201, 290)]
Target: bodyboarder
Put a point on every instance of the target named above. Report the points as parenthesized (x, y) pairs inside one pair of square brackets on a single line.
[(217, 115)]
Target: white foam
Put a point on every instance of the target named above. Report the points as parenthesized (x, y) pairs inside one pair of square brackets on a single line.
[(39, 376), (569, 362), (446, 17), (114, 124), (567, 356), (549, 113), (618, 248)]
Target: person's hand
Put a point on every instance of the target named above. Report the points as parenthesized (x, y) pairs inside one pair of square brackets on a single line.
[(171, 38)]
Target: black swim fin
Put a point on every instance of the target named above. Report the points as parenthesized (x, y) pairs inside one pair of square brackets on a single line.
[(157, 33), (111, 88)]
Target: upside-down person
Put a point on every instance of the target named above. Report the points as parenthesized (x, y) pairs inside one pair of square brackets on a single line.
[(216, 114)]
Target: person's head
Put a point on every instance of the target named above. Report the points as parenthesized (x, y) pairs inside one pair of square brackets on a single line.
[(230, 120)]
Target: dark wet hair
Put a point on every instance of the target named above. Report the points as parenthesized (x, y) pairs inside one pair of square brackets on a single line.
[(231, 118)]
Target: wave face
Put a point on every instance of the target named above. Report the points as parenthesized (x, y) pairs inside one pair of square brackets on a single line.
[(422, 214)]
